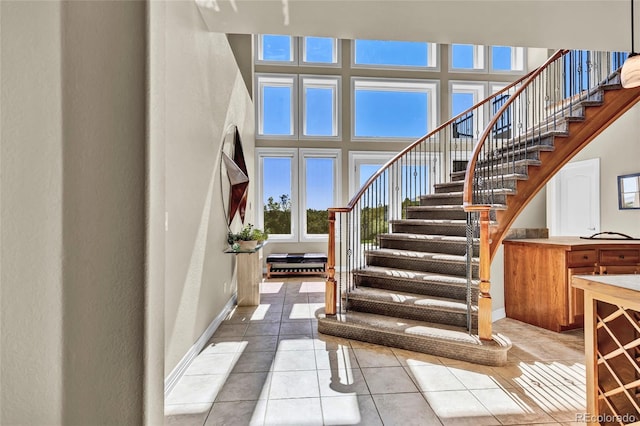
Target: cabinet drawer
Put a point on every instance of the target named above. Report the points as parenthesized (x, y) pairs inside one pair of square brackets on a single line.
[(581, 258), (619, 257), (620, 269)]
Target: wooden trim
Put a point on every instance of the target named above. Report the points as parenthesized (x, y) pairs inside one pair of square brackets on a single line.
[(484, 296), (330, 298)]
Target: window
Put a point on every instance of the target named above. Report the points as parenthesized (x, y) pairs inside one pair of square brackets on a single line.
[(319, 190), (278, 171), (394, 54), (276, 49), (393, 109), (320, 51), (507, 59), (320, 116), (295, 191), (464, 95), (276, 106), (466, 57)]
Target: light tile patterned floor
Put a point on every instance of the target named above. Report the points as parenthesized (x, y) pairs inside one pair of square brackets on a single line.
[(268, 365)]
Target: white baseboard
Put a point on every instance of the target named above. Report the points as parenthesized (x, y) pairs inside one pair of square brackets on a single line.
[(498, 314), (175, 375)]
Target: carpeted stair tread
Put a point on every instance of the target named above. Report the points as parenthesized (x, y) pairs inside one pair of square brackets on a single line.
[(460, 193), (447, 207), (439, 222), (411, 299), (418, 276), (430, 238), (420, 336), (420, 255)]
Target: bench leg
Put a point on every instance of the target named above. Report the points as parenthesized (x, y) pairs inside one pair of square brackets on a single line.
[(268, 270)]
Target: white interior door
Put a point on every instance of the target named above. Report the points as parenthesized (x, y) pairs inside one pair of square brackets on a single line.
[(573, 199)]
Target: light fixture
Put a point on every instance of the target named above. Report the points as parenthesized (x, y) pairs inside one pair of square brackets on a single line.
[(630, 74)]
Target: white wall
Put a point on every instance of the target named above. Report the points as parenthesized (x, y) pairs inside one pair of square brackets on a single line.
[(203, 93), (73, 212), (31, 214), (618, 148)]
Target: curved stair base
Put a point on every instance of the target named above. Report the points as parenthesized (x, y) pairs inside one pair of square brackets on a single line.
[(418, 336)]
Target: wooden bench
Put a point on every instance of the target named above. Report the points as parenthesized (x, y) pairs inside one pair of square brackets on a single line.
[(296, 264)]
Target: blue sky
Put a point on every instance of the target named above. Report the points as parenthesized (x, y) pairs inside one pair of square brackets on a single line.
[(378, 113)]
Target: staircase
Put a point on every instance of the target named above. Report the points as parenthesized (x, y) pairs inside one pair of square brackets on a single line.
[(422, 283)]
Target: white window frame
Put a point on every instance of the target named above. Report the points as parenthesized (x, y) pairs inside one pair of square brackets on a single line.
[(321, 81), (433, 60), (276, 80), (259, 51), (337, 55), (291, 153), (431, 87), (305, 153), (518, 59), (479, 59), (495, 87), (478, 90)]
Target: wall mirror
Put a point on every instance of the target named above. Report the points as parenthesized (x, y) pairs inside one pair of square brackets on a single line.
[(629, 191)]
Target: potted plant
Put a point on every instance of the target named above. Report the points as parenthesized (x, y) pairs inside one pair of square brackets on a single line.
[(247, 238)]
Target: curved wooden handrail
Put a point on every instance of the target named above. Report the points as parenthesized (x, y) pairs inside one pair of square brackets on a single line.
[(467, 195), (352, 203)]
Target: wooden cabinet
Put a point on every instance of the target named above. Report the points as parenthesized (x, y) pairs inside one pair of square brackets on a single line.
[(538, 273)]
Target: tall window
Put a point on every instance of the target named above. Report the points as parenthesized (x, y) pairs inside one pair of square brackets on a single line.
[(394, 54), (278, 171), (464, 95), (320, 106), (393, 109), (275, 104), (319, 190)]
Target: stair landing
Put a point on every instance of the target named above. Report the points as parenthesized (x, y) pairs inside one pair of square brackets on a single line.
[(419, 336)]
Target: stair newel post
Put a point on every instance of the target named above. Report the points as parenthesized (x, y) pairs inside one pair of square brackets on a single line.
[(330, 297), (484, 296)]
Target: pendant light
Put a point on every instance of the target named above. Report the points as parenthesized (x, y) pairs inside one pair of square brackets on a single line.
[(630, 74)]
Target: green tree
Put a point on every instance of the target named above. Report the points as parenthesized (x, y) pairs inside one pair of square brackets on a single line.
[(277, 215)]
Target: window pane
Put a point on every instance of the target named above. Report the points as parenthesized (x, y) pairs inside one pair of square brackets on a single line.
[(276, 48), (390, 113), (461, 102), (501, 58), (462, 56), (276, 110), (319, 111), (277, 195), (400, 53), (319, 49), (319, 193)]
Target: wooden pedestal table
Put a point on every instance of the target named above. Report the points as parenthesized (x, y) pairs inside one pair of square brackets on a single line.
[(612, 345), (249, 274)]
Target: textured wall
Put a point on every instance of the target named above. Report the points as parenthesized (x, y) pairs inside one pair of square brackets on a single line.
[(73, 212), (31, 214), (203, 93)]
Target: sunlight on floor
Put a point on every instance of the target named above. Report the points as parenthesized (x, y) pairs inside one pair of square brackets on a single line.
[(268, 365)]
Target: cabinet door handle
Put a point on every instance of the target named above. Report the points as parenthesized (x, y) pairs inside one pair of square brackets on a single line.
[(585, 257), (621, 256)]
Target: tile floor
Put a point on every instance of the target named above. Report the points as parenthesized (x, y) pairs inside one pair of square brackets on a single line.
[(268, 365)]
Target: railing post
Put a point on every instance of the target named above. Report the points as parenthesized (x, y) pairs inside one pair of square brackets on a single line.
[(330, 296), (484, 296)]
